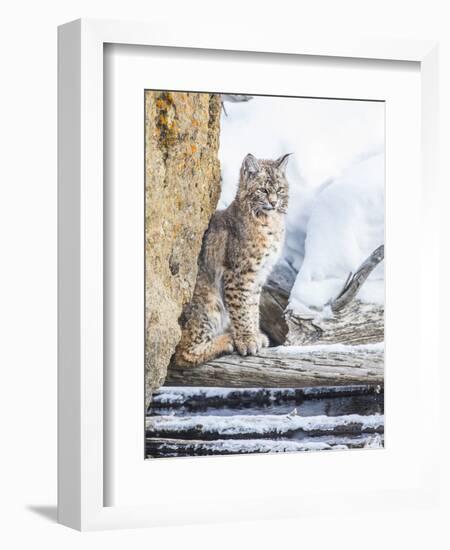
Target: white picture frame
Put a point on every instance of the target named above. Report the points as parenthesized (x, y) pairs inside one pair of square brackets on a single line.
[(82, 483)]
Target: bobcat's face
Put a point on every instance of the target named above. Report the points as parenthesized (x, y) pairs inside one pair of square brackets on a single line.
[(263, 185)]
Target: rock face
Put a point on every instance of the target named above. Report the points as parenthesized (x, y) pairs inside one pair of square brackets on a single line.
[(182, 181)]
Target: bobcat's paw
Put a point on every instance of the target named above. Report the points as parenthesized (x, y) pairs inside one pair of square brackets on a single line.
[(249, 345), (227, 344), (263, 341)]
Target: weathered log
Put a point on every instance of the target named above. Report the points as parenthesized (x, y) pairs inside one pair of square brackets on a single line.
[(165, 447), (355, 281), (350, 321), (357, 323), (200, 398), (274, 300), (342, 366), (212, 428)]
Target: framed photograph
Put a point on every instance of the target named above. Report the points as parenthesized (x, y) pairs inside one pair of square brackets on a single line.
[(245, 277), (264, 275)]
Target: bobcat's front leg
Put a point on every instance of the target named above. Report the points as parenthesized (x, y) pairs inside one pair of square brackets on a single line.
[(242, 300), (263, 340)]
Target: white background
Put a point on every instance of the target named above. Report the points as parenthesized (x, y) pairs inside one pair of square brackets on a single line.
[(28, 274)]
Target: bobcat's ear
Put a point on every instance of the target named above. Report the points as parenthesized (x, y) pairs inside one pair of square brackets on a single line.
[(250, 165), (282, 161)]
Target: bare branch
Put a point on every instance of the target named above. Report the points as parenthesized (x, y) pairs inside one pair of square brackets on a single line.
[(236, 98), (233, 98), (355, 282)]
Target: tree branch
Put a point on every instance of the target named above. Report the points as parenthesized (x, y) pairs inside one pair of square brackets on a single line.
[(355, 281)]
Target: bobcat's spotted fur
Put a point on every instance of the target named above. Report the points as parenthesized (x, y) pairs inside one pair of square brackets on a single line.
[(240, 248)]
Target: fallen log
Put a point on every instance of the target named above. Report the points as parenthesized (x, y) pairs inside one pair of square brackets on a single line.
[(260, 426), (291, 367), (166, 447), (357, 323), (274, 300), (201, 397), (351, 321)]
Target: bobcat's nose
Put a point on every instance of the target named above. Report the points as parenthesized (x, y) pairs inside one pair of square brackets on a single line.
[(273, 200)]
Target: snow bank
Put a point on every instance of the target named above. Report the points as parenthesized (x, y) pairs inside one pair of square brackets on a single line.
[(345, 226), (336, 175), (325, 136)]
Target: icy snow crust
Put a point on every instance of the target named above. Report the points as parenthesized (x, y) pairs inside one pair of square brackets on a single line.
[(262, 424), (176, 395), (329, 348), (279, 446), (336, 173)]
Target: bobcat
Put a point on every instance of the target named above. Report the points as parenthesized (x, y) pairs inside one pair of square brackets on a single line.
[(239, 249)]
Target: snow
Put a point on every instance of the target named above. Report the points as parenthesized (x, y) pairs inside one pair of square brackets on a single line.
[(258, 446), (372, 441), (261, 424), (336, 174), (177, 395), (375, 441), (319, 391), (345, 226), (329, 348), (325, 136)]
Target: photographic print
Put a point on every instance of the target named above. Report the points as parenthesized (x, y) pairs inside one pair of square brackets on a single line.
[(264, 274)]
